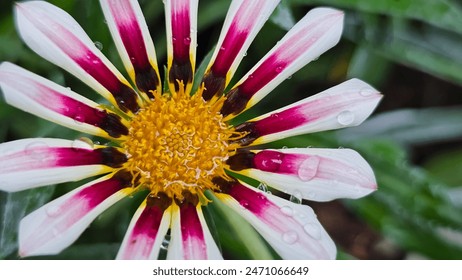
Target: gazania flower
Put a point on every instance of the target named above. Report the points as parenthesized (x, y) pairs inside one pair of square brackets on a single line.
[(178, 144)]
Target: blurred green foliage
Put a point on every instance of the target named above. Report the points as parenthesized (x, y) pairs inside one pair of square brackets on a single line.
[(418, 206)]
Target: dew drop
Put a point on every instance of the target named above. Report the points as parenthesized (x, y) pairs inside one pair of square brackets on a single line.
[(285, 147), (290, 77), (278, 69), (251, 76), (165, 243), (366, 92), (346, 118), (313, 230), (222, 49), (244, 203), (296, 197), (82, 143), (36, 150), (308, 168), (187, 41), (99, 45), (53, 211), (263, 187), (245, 54), (290, 237), (287, 210)]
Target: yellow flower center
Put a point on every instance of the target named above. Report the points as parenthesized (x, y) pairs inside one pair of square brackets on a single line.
[(178, 143)]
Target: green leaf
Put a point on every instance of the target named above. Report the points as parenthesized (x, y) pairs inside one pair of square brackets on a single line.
[(445, 14), (425, 47), (409, 126), (446, 167), (14, 206), (410, 206)]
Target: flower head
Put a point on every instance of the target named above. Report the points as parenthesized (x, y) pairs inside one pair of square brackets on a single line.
[(178, 144)]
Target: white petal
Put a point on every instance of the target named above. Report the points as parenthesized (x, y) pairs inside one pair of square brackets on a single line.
[(181, 23), (145, 233), (56, 36), (41, 97), (344, 105), (241, 25), (56, 225), (134, 43), (314, 174), (291, 229), (190, 236), (35, 162), (313, 35)]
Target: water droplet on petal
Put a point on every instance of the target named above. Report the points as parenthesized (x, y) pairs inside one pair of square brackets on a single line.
[(346, 118), (222, 49), (290, 77), (313, 230), (263, 187), (308, 168), (287, 210), (53, 211), (278, 69), (187, 41), (165, 243), (296, 197), (244, 203), (99, 45), (82, 143), (290, 237), (245, 54)]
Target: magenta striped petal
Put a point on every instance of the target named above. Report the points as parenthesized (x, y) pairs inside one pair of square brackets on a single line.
[(131, 35), (240, 28), (191, 239), (317, 32), (57, 37), (56, 225), (34, 94), (314, 174), (147, 229), (29, 163), (344, 105), (181, 21), (291, 229)]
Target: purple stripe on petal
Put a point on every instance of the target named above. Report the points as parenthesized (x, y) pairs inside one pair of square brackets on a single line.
[(146, 77), (304, 166), (97, 193), (236, 36), (285, 54), (61, 217), (192, 233), (123, 94), (282, 222), (87, 60), (67, 106), (290, 118), (144, 233), (40, 156), (255, 202), (280, 121), (109, 122), (181, 28), (231, 46)]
